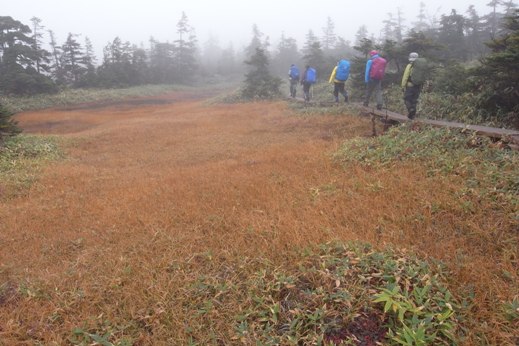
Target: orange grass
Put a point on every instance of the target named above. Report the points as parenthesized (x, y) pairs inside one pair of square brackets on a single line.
[(104, 239)]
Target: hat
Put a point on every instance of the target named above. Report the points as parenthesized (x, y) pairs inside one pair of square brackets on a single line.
[(413, 56), (373, 52)]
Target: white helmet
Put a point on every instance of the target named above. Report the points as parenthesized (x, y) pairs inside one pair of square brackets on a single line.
[(413, 56)]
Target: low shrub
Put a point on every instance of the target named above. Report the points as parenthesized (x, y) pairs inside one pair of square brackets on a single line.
[(335, 294), (490, 171), (21, 159), (70, 97)]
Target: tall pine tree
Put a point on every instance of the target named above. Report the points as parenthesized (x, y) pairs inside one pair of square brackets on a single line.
[(259, 83), (498, 75), (185, 51)]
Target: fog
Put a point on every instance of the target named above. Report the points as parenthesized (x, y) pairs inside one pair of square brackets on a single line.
[(225, 20)]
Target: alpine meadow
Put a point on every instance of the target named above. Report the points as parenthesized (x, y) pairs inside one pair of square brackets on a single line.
[(259, 173)]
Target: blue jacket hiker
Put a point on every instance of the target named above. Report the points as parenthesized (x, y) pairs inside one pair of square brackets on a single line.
[(308, 78), (375, 70), (293, 76), (339, 76)]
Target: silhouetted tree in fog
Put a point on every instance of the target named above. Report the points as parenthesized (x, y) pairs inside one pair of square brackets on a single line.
[(498, 76), (211, 54), (313, 55), (72, 61), (452, 36), (259, 83), (55, 66), (329, 38), (161, 62), (286, 54), (185, 51), (227, 64), (89, 79), (42, 56), (18, 60)]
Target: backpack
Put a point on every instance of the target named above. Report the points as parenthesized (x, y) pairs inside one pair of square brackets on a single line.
[(343, 70), (311, 75), (419, 71), (378, 68), (294, 72)]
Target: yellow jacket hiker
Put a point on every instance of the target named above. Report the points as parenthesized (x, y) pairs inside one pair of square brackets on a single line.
[(411, 90), (407, 73), (332, 76), (339, 76)]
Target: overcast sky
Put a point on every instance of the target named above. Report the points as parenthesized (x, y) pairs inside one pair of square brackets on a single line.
[(228, 20)]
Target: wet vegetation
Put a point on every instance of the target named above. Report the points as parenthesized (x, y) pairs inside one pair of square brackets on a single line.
[(224, 221)]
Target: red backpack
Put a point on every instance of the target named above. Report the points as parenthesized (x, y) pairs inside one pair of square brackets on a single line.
[(378, 68)]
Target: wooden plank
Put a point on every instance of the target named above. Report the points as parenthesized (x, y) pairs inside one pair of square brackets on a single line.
[(511, 136), (505, 134), (314, 103)]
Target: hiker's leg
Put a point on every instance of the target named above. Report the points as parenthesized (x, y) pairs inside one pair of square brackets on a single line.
[(378, 90), (306, 90), (336, 88), (343, 92), (408, 102), (411, 100), (416, 95), (369, 91)]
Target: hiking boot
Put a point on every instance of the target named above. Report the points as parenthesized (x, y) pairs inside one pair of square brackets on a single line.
[(346, 99), (365, 104), (379, 107)]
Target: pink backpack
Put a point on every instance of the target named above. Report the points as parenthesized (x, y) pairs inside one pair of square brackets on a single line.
[(378, 68)]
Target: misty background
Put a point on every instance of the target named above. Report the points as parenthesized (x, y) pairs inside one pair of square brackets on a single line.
[(225, 21), (51, 46)]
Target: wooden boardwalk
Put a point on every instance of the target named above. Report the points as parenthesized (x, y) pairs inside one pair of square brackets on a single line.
[(506, 135)]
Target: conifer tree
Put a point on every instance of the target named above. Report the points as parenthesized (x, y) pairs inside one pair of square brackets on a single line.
[(498, 75), (329, 38), (185, 51), (257, 41), (313, 54), (287, 54), (55, 67), (452, 36), (421, 24), (72, 60), (362, 33), (42, 56), (18, 59), (7, 124), (259, 83)]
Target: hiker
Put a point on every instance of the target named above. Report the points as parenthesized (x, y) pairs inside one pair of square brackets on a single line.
[(293, 75), (339, 76), (308, 78), (412, 81), (375, 70)]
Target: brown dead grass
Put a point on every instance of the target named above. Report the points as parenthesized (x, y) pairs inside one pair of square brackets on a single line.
[(98, 239)]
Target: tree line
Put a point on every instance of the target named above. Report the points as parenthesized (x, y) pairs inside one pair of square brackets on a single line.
[(473, 57), (29, 68), (453, 41)]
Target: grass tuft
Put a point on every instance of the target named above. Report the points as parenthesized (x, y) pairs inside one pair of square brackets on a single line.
[(77, 96), (21, 159), (489, 172), (333, 294)]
